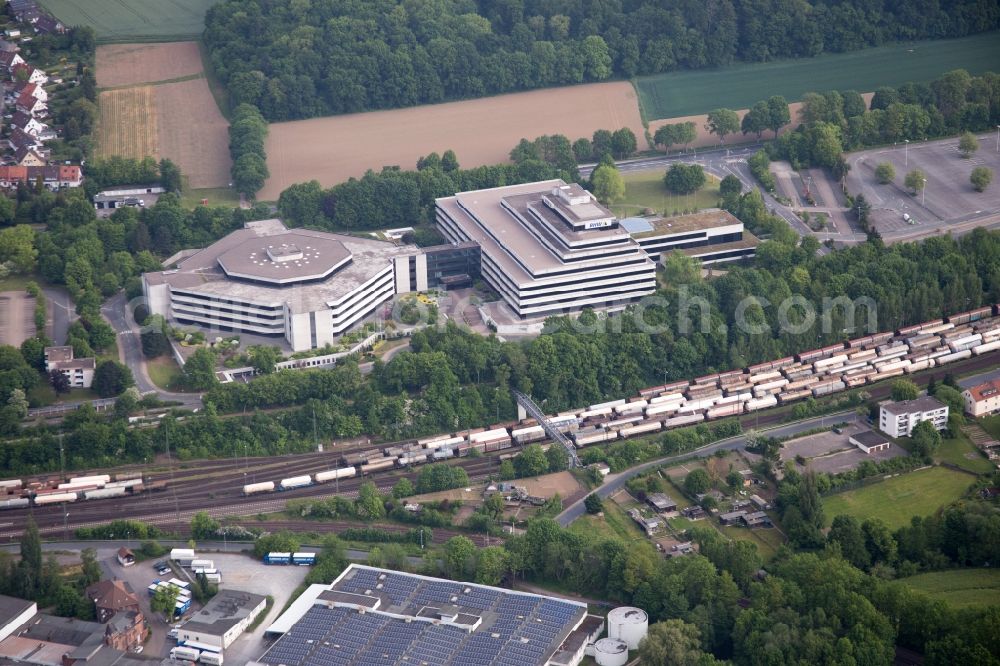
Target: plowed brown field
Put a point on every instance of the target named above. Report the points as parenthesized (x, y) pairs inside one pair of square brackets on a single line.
[(131, 64), (480, 131)]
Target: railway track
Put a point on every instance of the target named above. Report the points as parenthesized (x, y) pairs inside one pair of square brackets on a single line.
[(216, 486)]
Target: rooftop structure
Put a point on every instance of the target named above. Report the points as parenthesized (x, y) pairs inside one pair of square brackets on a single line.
[(222, 619), (79, 371), (661, 502), (982, 399), (13, 613), (869, 441), (897, 419), (712, 236), (306, 286), (112, 596), (549, 247), (372, 615)]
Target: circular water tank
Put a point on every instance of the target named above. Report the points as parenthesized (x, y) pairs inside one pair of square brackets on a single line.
[(610, 652), (628, 624)]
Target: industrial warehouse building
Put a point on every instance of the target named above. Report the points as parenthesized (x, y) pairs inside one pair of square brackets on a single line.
[(373, 615), (222, 620), (306, 286), (548, 247)]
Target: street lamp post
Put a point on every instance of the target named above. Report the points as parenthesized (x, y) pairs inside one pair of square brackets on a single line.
[(923, 191), (998, 138), (906, 152)]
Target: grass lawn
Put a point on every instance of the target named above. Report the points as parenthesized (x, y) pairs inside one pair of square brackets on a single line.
[(43, 395), (962, 452), (767, 540), (216, 196), (740, 86), (615, 523), (990, 424), (17, 282), (164, 372), (645, 189), (895, 501), (959, 587)]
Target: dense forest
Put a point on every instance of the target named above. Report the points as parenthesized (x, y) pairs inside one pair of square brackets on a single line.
[(299, 59)]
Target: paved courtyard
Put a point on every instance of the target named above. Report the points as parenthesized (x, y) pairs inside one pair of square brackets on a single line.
[(948, 197), (833, 453)]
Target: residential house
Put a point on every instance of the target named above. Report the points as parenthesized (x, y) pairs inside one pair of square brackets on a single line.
[(29, 157), (982, 399), (112, 596), (12, 33), (12, 176), (694, 513), (28, 124), (58, 176), (19, 139), (10, 47), (25, 72), (53, 177), (897, 419), (662, 503), (126, 630), (33, 89), (28, 103), (126, 557), (756, 519), (732, 517), (10, 59), (48, 24), (79, 371)]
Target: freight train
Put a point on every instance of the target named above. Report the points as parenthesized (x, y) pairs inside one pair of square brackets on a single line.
[(18, 494), (808, 374)]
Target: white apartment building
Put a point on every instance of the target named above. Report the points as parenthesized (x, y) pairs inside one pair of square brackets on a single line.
[(897, 419), (982, 399), (549, 248), (308, 287), (79, 371)]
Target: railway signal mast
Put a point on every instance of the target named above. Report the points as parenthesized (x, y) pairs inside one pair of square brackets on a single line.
[(528, 405)]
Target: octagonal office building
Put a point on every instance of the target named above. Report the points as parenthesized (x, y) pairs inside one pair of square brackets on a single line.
[(306, 286)]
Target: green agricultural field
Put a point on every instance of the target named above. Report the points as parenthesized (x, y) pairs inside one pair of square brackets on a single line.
[(738, 87), (645, 189), (959, 587), (895, 501), (134, 20)]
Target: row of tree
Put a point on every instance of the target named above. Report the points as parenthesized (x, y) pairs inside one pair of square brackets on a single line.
[(296, 61), (247, 131), (833, 122)]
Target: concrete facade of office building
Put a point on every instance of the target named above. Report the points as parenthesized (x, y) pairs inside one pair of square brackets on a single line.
[(711, 236), (308, 287), (548, 247), (897, 419)]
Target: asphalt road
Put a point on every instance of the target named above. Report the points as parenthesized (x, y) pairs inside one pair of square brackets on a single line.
[(63, 313), (202, 546), (115, 310), (615, 482)]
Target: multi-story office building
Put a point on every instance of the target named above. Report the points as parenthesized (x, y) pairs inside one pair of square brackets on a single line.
[(711, 236), (897, 419), (548, 247), (306, 286)]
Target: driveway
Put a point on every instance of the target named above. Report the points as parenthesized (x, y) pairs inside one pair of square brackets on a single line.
[(62, 313)]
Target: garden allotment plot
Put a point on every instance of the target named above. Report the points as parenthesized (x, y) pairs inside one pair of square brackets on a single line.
[(134, 20), (740, 86)]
